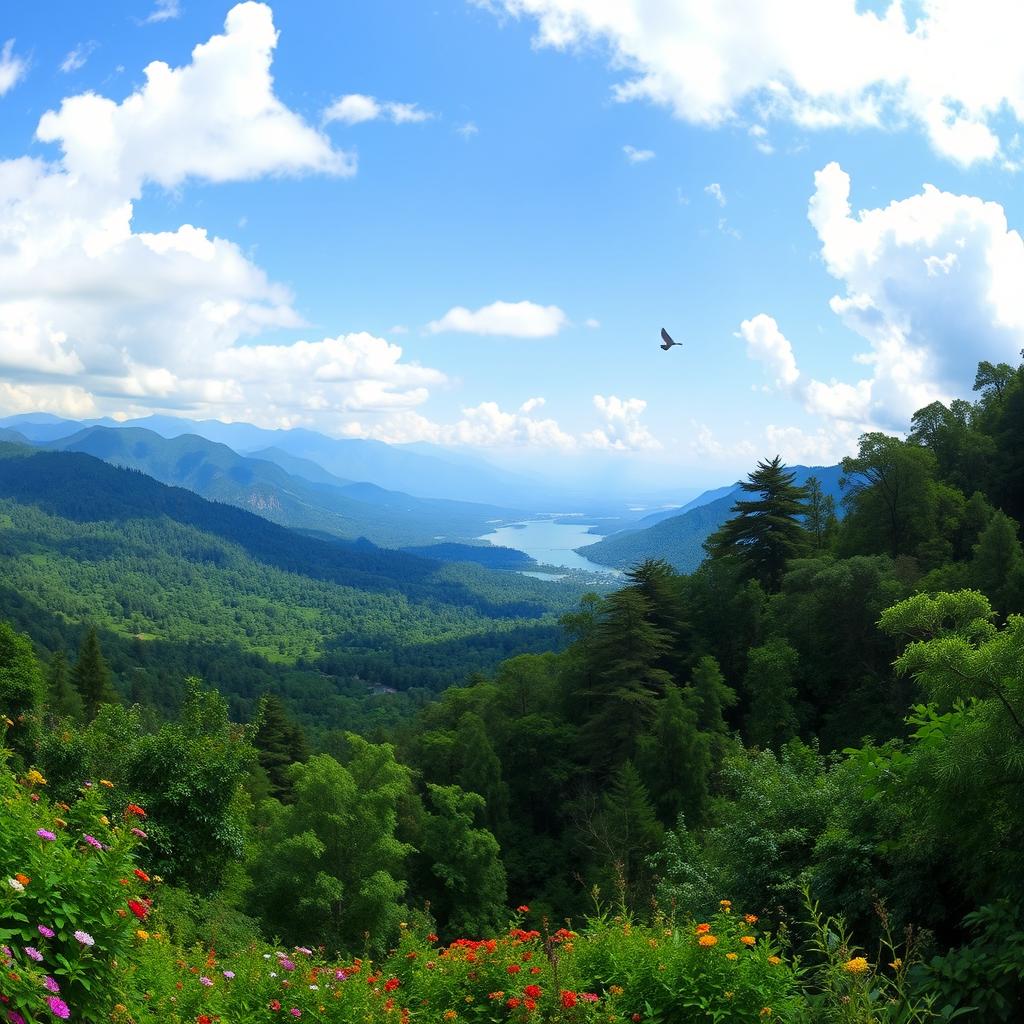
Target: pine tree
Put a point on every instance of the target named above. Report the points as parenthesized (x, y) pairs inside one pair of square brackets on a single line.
[(63, 698), (92, 677), (713, 697), (820, 521), (997, 568), (771, 719), (280, 742), (675, 760), (662, 587), (480, 771), (765, 532), (21, 692)]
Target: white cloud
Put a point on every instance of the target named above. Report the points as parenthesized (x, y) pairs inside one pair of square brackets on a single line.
[(952, 69), (164, 10), (467, 130), (592, 323), (12, 68), (621, 429), (824, 446), (95, 315), (357, 108), (715, 191), (77, 57), (638, 156), (510, 319), (704, 443), (768, 345)]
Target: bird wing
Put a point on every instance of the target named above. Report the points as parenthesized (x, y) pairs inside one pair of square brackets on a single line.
[(666, 337)]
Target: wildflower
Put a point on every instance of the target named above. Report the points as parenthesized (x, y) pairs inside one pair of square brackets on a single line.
[(204, 980), (748, 940), (141, 875), (750, 918), (725, 903), (524, 909), (535, 970), (708, 941), (104, 820), (275, 1004), (431, 937), (47, 933), (58, 1007), (107, 783), (51, 984), (533, 991), (139, 833), (450, 1015), (142, 934), (33, 954), (14, 1017), (309, 952), (703, 929), (138, 909), (24, 879), (731, 956), (616, 990), (513, 968), (136, 810), (93, 842), (295, 1011), (45, 834), (568, 1000), (391, 984), (340, 975), (774, 960), (530, 1004), (229, 974), (60, 823), (204, 1018), (766, 1011), (496, 995), (85, 938), (512, 1002), (16, 885), (858, 965), (35, 778), (896, 964)]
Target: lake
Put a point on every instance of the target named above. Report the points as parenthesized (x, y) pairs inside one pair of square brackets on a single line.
[(550, 543)]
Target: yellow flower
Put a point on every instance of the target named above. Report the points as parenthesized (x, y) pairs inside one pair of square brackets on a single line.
[(469, 999), (858, 965), (35, 778), (616, 990), (142, 934), (104, 819), (766, 1011), (708, 940), (731, 956), (728, 995), (653, 943), (450, 1015), (896, 964), (774, 960), (725, 903), (107, 783), (60, 823), (748, 940)]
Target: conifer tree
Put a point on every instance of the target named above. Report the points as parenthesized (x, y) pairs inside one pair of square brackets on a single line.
[(820, 521), (766, 531), (662, 587), (92, 677), (675, 760), (771, 719), (997, 568), (280, 742), (21, 691), (713, 697), (63, 698), (480, 770)]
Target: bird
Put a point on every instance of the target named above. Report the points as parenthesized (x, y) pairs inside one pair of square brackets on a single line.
[(666, 340)]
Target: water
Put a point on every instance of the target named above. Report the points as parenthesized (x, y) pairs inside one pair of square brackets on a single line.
[(550, 543)]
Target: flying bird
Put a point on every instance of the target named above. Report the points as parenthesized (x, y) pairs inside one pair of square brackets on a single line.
[(666, 340)]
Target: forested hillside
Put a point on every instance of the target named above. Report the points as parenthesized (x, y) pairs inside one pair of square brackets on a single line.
[(820, 727)]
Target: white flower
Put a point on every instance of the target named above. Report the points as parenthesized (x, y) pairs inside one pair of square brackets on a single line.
[(314, 988), (273, 974), (15, 885)]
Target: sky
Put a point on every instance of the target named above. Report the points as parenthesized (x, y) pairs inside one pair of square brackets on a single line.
[(465, 221)]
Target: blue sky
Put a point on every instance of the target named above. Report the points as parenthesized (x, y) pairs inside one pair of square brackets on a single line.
[(494, 169)]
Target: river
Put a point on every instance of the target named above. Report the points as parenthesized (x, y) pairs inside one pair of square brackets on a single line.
[(551, 543)]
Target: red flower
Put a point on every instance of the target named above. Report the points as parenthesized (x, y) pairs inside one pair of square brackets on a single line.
[(512, 1003), (137, 909), (141, 875), (533, 991), (275, 1004), (391, 984), (431, 937), (136, 810), (568, 1000), (513, 968), (524, 909), (535, 970), (529, 1004), (204, 1019)]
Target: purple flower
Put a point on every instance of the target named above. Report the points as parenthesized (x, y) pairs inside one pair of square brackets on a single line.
[(205, 981), (138, 832), (93, 842), (286, 964), (45, 834), (302, 949), (51, 984), (47, 933), (340, 975), (15, 1018), (229, 975), (85, 938), (58, 1007), (295, 1011), (33, 953)]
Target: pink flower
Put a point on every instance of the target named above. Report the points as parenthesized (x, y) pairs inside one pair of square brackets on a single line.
[(93, 842), (205, 981), (47, 933), (138, 832), (45, 834), (51, 984), (58, 1007), (85, 938), (33, 953), (295, 1011)]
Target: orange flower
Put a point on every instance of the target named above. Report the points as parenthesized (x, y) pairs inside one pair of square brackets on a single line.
[(750, 918), (731, 956), (774, 960), (24, 879), (748, 940), (766, 1011), (725, 903), (708, 940), (703, 929)]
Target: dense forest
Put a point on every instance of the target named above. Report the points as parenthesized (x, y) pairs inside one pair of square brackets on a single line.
[(822, 725)]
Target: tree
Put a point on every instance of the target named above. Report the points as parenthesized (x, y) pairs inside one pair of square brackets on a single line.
[(771, 719), (279, 742), (992, 379), (675, 759), (63, 699), (820, 520), (480, 771), (765, 532), (997, 568), (92, 677), (714, 695), (21, 691), (662, 588)]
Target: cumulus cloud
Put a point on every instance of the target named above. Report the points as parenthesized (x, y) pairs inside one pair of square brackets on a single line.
[(715, 191), (952, 69), (12, 68), (621, 429), (638, 156), (510, 319), (97, 316), (357, 108), (768, 345)]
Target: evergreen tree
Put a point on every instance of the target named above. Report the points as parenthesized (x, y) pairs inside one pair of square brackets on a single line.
[(480, 771), (771, 720), (662, 587), (92, 677), (997, 568), (713, 697), (63, 699), (820, 520), (280, 742), (766, 531), (21, 692), (675, 760)]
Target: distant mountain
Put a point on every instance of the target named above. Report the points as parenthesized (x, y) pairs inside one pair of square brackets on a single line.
[(326, 505), (678, 536)]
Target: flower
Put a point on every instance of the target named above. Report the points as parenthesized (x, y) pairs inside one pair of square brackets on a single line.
[(530, 1004), (51, 984), (708, 941), (750, 918), (138, 909), (533, 991), (774, 960), (93, 842), (85, 938), (523, 909), (295, 1011), (748, 940), (616, 990), (58, 1007), (731, 956), (275, 1004), (47, 933), (33, 954), (568, 1000), (858, 965), (13, 1016), (896, 964), (513, 968), (229, 974), (340, 975), (141, 875), (16, 885), (309, 952), (24, 879), (35, 778), (766, 1011), (725, 903), (142, 934), (45, 834), (139, 833), (391, 984), (107, 783), (512, 1002), (450, 1015), (703, 929), (136, 810)]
